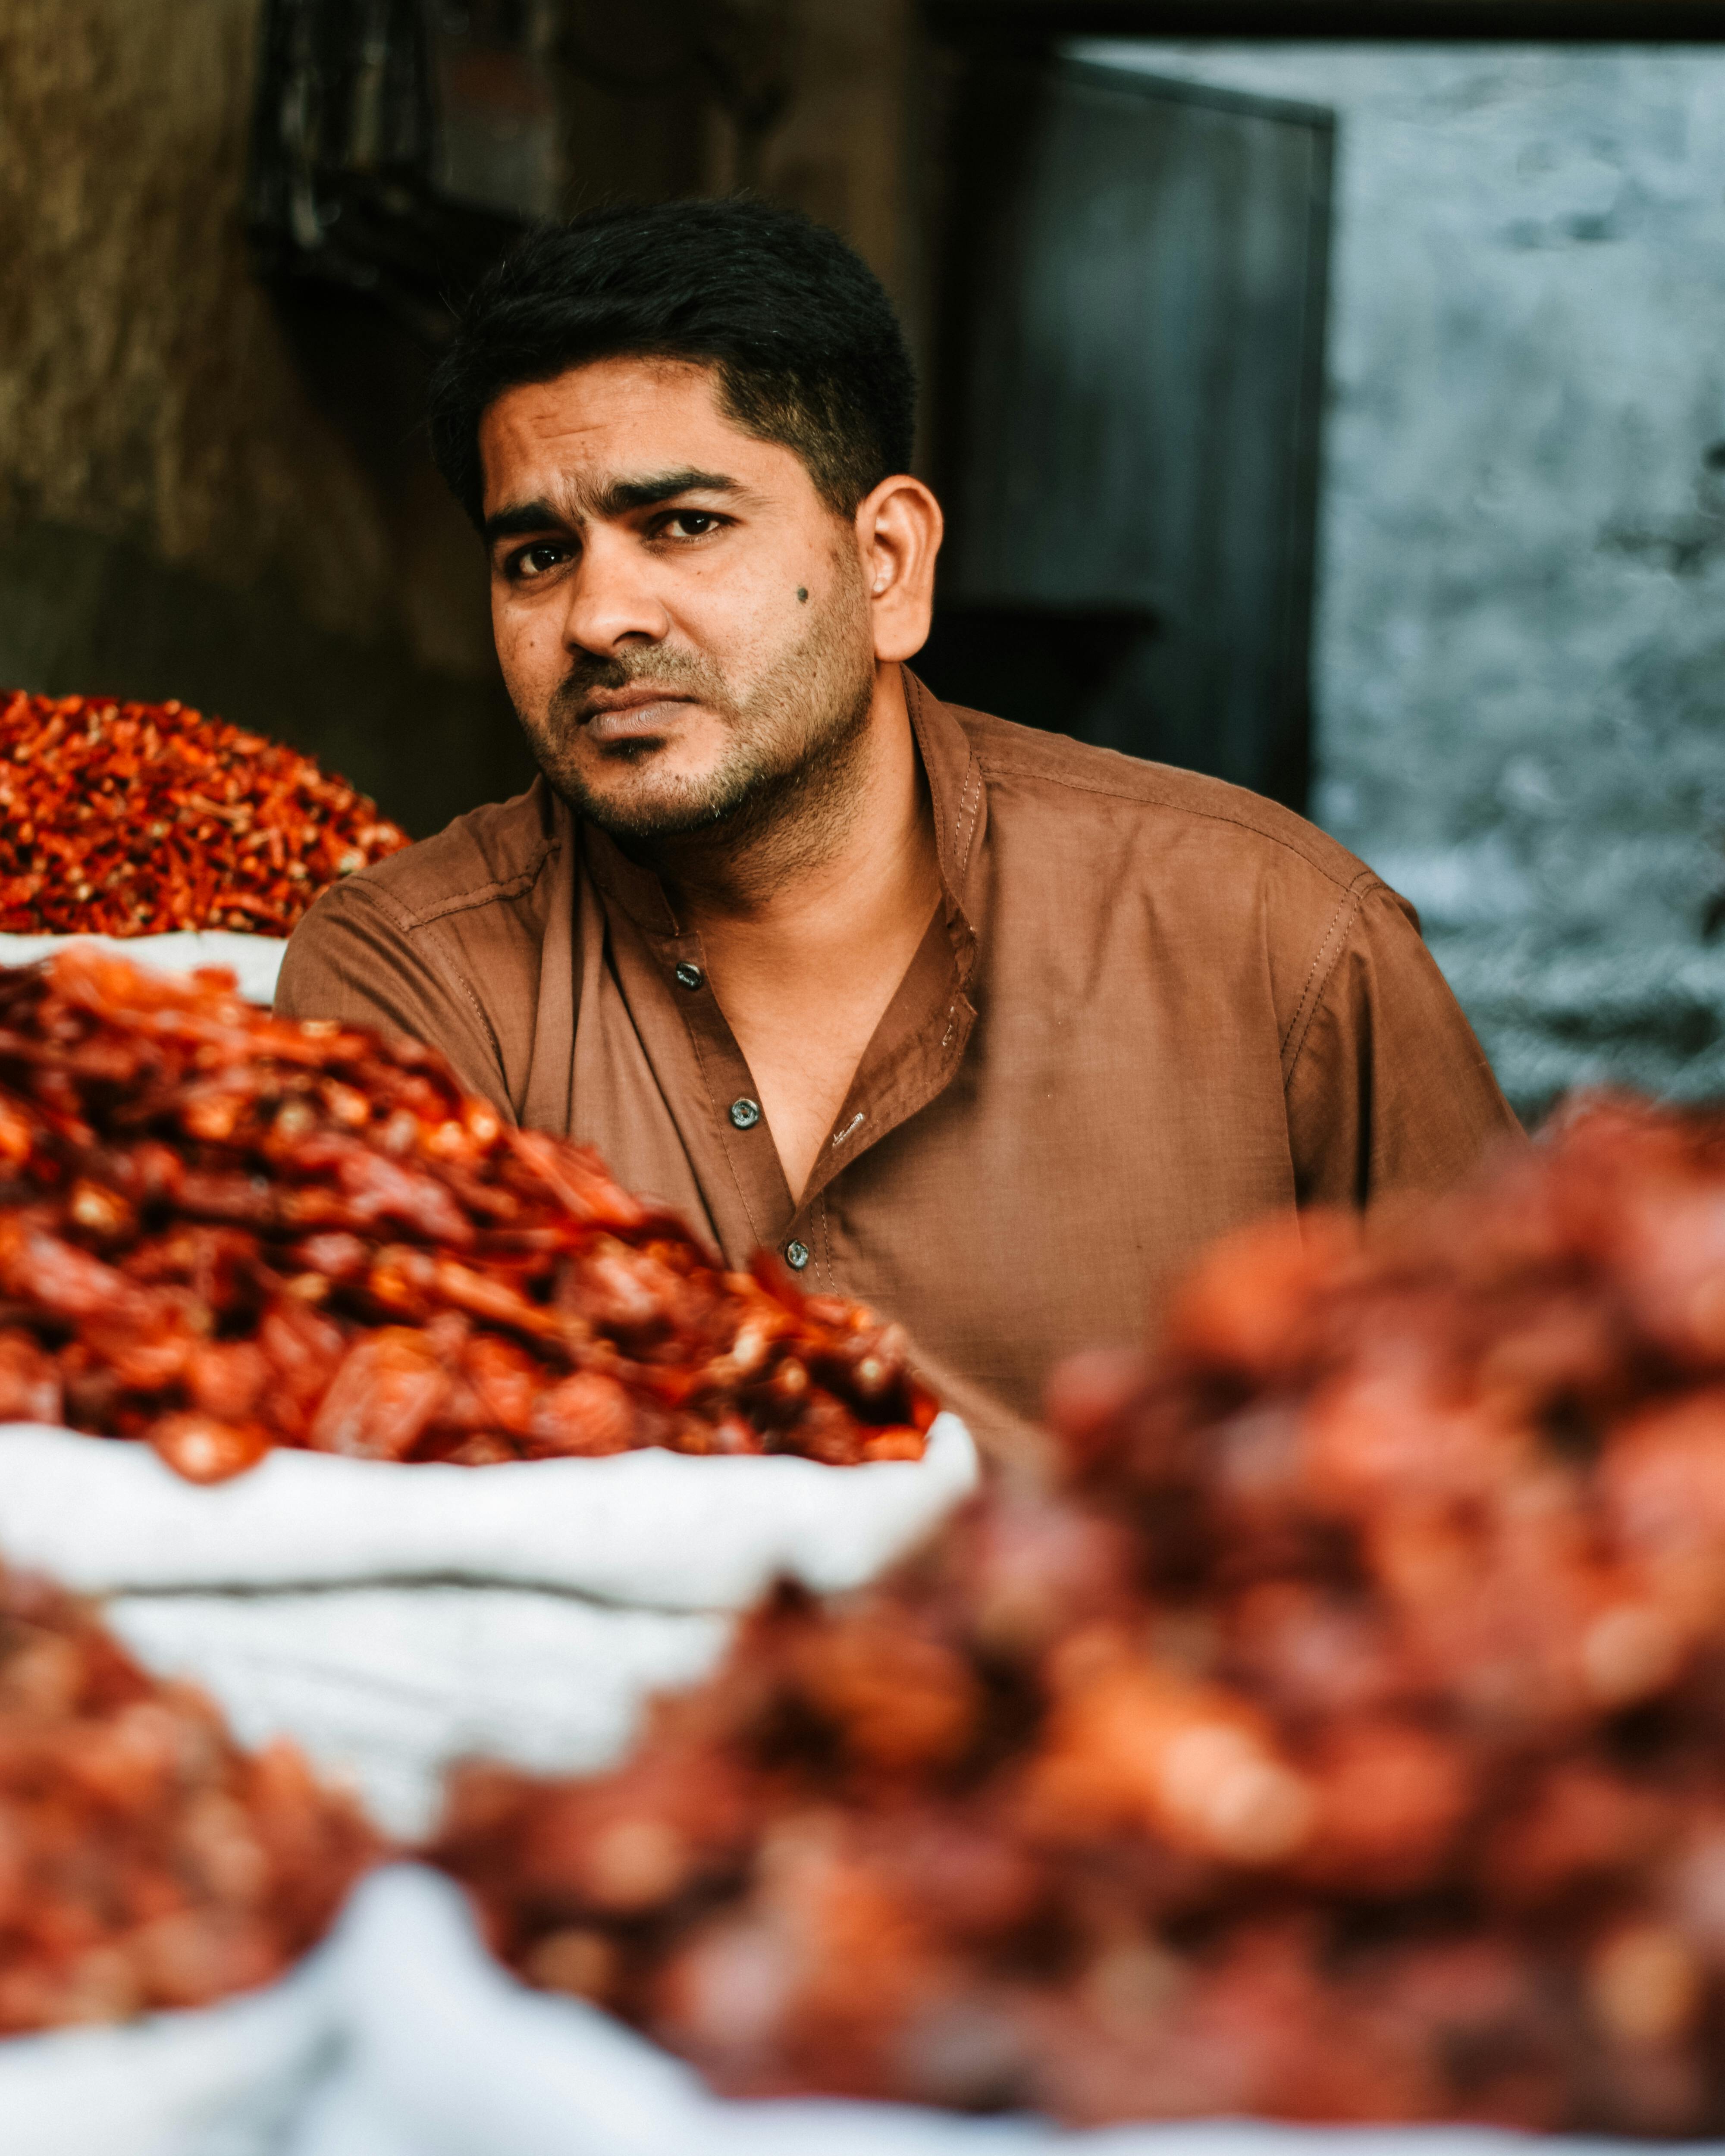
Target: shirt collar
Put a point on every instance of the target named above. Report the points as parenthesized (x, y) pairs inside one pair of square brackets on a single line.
[(960, 804)]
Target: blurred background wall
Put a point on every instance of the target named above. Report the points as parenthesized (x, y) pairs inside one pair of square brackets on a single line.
[(1444, 322), (210, 491), (180, 515), (1519, 660)]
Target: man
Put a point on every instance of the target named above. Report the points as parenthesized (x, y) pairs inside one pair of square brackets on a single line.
[(986, 1028)]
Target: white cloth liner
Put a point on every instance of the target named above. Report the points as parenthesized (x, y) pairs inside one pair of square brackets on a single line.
[(652, 1529), (227, 2080), (255, 960), (392, 1619), (449, 2056), (383, 1687), (401, 2036)]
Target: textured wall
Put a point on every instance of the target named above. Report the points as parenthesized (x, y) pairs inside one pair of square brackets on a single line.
[(179, 514), (839, 151), (1521, 651), (144, 389)]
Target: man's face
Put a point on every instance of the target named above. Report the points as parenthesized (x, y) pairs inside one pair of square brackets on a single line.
[(683, 624)]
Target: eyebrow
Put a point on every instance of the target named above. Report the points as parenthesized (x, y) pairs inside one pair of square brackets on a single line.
[(618, 498)]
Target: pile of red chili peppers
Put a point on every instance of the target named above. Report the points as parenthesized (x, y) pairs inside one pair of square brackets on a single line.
[(149, 1862), (1342, 1743), (134, 820), (224, 1231)]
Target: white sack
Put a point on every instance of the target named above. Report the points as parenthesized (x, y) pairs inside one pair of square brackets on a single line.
[(225, 2081), (255, 960), (392, 1619), (653, 1529), (384, 1687), (448, 2056)]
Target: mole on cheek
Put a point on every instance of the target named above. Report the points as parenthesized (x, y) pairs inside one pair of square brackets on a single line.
[(803, 594)]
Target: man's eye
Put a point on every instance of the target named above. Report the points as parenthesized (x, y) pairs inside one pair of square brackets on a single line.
[(535, 561), (691, 523)]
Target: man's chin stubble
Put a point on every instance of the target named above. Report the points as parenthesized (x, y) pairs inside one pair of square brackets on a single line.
[(640, 813), (741, 804)]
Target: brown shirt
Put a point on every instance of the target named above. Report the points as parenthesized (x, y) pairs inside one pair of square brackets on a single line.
[(1152, 1007)]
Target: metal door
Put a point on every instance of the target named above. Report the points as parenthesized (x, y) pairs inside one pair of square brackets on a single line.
[(1134, 334)]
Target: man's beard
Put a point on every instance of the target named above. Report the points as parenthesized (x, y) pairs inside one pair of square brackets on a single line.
[(794, 740)]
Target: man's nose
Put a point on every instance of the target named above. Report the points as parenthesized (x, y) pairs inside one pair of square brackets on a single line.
[(612, 595)]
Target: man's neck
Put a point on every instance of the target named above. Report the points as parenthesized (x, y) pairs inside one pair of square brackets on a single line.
[(807, 937), (857, 838)]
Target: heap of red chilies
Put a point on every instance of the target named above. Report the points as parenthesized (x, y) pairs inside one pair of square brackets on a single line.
[(223, 1231), (147, 1863), (1345, 1742), (136, 819)]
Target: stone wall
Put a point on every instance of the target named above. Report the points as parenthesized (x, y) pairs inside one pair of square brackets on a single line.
[(1520, 668)]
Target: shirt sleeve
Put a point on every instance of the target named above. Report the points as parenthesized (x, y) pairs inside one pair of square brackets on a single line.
[(348, 960), (1388, 1091)]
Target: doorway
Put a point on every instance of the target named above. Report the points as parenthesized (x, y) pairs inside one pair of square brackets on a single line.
[(1129, 414)]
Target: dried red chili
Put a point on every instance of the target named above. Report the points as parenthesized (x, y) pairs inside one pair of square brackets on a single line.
[(145, 1861), (1345, 1741), (223, 1231), (135, 819)]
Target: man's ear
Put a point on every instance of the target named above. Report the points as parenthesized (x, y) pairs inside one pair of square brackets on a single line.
[(898, 533)]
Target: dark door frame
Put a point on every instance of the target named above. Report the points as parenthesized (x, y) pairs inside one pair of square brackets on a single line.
[(1550, 21), (994, 91)]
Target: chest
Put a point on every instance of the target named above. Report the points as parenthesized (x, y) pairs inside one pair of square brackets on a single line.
[(1049, 1197), (803, 1030), (1103, 1121)]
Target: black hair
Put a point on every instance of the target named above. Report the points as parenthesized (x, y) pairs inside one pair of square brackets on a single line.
[(804, 342)]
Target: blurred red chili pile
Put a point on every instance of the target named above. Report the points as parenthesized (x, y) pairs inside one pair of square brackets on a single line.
[(223, 1231), (1345, 1740), (147, 1863), (134, 820)]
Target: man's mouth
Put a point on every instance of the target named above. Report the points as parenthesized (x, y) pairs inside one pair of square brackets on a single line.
[(631, 714)]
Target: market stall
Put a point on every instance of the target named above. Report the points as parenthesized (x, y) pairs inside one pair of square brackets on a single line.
[(1329, 1732)]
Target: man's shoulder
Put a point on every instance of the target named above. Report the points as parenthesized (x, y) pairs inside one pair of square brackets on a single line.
[(492, 857), (1050, 775)]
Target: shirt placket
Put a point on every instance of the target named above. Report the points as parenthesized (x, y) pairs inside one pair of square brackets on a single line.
[(919, 1045), (746, 1143)]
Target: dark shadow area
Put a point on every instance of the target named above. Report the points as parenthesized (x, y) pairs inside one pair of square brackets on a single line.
[(1061, 668)]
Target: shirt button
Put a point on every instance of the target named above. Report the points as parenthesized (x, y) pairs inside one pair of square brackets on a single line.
[(745, 1114), (689, 977), (796, 1255)]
